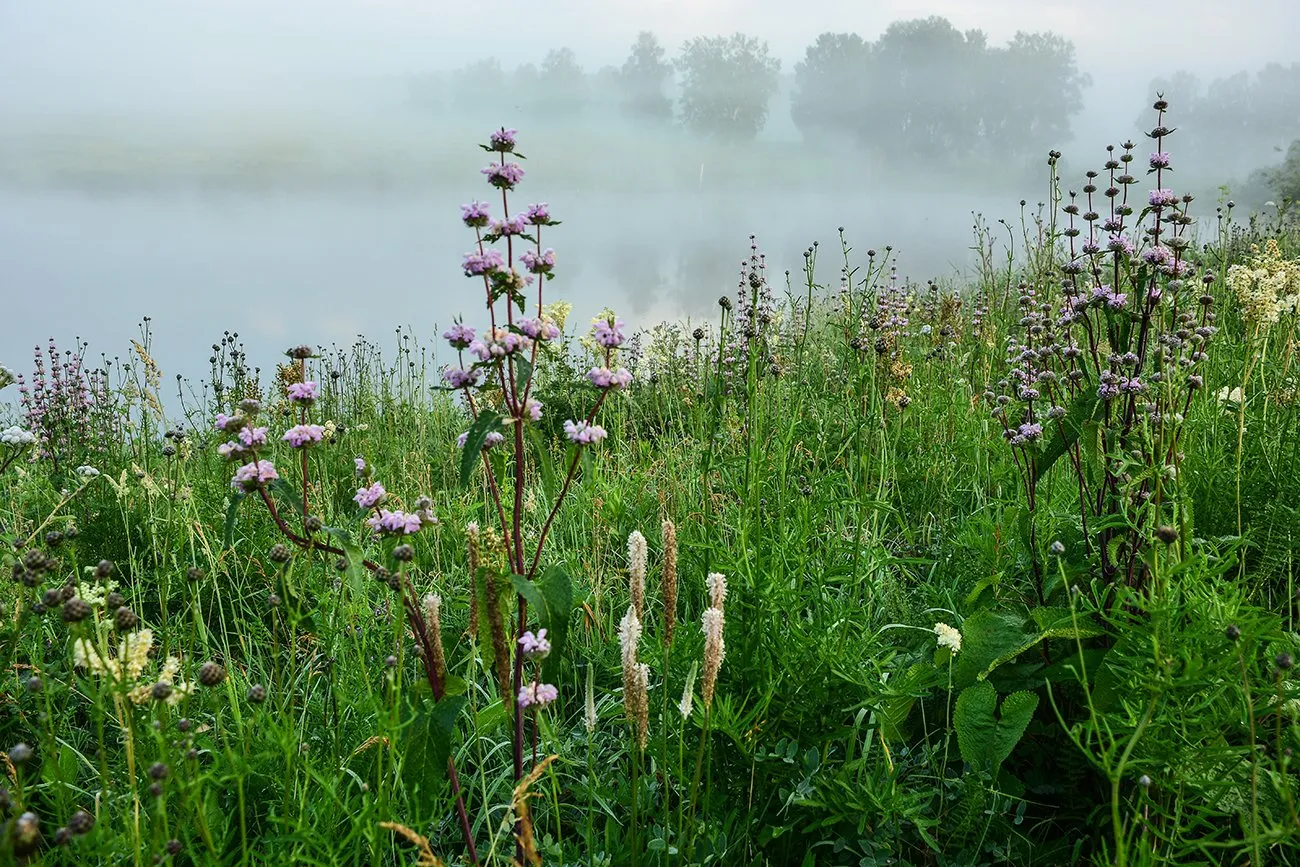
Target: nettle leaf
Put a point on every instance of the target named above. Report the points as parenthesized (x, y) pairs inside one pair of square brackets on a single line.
[(988, 639), (228, 536), (1067, 431), (486, 422), (986, 740), (428, 745)]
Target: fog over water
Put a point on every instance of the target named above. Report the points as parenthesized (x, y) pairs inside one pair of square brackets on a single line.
[(279, 169)]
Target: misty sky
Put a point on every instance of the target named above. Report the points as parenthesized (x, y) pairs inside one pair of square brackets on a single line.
[(62, 54)]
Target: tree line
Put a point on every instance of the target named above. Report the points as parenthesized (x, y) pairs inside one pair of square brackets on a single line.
[(922, 90)]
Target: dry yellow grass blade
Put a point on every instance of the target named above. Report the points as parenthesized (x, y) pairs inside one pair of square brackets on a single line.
[(427, 858)]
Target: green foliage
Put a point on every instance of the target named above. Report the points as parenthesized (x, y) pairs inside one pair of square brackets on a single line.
[(986, 740)]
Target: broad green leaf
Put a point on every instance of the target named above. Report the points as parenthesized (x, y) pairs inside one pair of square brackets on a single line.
[(523, 370), (986, 740), (486, 422), (557, 589), (428, 745), (1067, 431)]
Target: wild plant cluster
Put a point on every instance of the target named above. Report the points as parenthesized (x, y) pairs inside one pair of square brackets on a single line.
[(868, 571)]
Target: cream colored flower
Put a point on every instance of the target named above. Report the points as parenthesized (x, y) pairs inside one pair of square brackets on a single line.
[(948, 636)]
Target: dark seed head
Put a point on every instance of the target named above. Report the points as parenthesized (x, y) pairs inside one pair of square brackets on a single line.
[(81, 822), (104, 569), (174, 847), (1283, 661), (51, 598), (257, 693), (403, 553), (156, 790), (211, 673), (125, 619), (62, 837), (76, 610), (114, 601), (1167, 534), (34, 684), (161, 691), (1232, 632), (313, 524), (195, 573), (279, 553), (158, 771)]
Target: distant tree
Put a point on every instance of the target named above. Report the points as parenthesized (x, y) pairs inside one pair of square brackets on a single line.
[(481, 85), (727, 83), (924, 101), (830, 87), (1030, 90), (1284, 181), (643, 78), (561, 84)]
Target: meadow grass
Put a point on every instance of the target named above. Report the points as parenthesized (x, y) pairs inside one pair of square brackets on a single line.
[(824, 594)]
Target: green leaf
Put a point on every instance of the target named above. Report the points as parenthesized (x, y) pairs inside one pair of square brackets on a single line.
[(523, 370), (530, 592), (986, 740), (1067, 431), (351, 552), (486, 422), (989, 638), (428, 744), (557, 590), (228, 537), (545, 465), (286, 496)]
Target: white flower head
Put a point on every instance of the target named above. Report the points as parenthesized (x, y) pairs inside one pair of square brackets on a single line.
[(948, 636), (717, 584)]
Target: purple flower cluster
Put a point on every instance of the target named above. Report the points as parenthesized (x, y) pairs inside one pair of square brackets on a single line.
[(1159, 160), (609, 334), (543, 263), (252, 476), (475, 214), (369, 498), (537, 695), (499, 344), (250, 437), (533, 409), (539, 215), (457, 378), (538, 329), (505, 176), (403, 523), (479, 264), (535, 646), (304, 392), (503, 140), (303, 435), (1161, 198), (584, 434), (517, 225), (603, 377), (493, 438), (459, 335)]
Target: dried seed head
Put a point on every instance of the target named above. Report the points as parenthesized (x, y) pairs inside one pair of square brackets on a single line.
[(125, 620), (104, 569), (670, 579), (715, 651), (161, 691), (636, 569), (257, 693)]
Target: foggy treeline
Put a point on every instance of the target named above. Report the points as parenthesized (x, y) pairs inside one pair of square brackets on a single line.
[(923, 92)]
